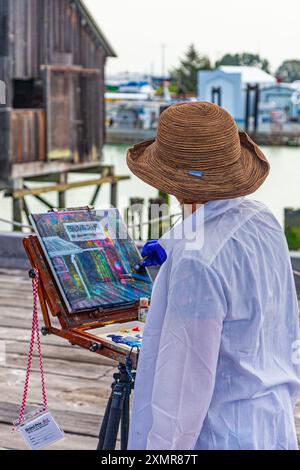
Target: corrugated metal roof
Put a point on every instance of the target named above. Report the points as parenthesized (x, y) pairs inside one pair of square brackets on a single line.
[(249, 74), (95, 27)]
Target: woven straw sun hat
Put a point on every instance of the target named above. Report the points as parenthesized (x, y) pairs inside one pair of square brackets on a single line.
[(199, 155)]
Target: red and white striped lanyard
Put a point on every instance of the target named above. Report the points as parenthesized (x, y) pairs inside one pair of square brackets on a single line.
[(34, 331)]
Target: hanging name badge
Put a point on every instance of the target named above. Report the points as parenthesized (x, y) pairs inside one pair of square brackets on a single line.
[(40, 430)]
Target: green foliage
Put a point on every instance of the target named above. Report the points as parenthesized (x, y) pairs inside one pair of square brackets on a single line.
[(172, 89), (293, 237), (165, 197), (246, 58), (159, 91), (289, 71), (185, 76)]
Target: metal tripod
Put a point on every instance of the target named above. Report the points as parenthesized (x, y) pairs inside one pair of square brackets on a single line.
[(117, 409)]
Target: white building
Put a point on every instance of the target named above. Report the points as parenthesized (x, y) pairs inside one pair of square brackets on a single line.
[(227, 86), (250, 75), (280, 98)]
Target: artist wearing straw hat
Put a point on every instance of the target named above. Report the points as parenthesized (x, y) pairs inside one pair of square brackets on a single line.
[(216, 370)]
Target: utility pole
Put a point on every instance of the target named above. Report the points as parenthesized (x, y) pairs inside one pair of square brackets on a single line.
[(163, 60)]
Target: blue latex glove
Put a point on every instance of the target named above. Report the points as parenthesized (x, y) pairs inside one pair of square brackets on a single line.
[(153, 254)]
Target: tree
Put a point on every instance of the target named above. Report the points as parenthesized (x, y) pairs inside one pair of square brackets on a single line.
[(289, 71), (185, 76), (246, 58)]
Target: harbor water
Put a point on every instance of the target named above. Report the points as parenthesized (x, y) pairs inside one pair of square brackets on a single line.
[(281, 189)]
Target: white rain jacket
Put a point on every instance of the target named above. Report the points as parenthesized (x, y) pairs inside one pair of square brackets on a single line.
[(219, 367)]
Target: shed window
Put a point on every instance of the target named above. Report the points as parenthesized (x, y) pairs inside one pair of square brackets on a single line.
[(28, 94)]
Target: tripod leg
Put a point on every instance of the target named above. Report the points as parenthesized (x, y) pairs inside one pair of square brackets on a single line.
[(117, 410), (103, 428), (125, 419), (114, 417)]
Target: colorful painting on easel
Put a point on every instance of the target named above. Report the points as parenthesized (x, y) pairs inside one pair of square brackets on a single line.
[(92, 258)]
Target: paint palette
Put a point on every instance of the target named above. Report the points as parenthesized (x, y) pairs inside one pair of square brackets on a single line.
[(92, 258), (129, 334)]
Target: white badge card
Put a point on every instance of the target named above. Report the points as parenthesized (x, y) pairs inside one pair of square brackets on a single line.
[(41, 431)]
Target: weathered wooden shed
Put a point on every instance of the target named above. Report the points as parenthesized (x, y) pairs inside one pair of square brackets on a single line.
[(52, 60)]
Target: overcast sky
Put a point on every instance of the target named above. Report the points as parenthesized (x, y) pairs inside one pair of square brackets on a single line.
[(137, 29)]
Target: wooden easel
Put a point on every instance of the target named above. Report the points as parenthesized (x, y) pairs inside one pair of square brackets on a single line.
[(75, 327)]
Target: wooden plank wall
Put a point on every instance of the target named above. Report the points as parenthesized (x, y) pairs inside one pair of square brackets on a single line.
[(74, 116), (4, 74), (60, 116), (28, 135), (4, 147), (52, 32), (4, 40)]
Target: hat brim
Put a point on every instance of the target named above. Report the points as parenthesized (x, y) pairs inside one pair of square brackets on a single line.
[(242, 177)]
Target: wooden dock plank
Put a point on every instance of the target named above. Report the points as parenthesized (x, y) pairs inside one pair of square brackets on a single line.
[(71, 441), (73, 422), (58, 367), (22, 335), (64, 392), (65, 352)]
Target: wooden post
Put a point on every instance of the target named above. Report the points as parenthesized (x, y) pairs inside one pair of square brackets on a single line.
[(247, 108), (113, 190), (27, 211), (255, 89), (135, 217), (155, 228), (17, 205), (62, 200), (256, 106)]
